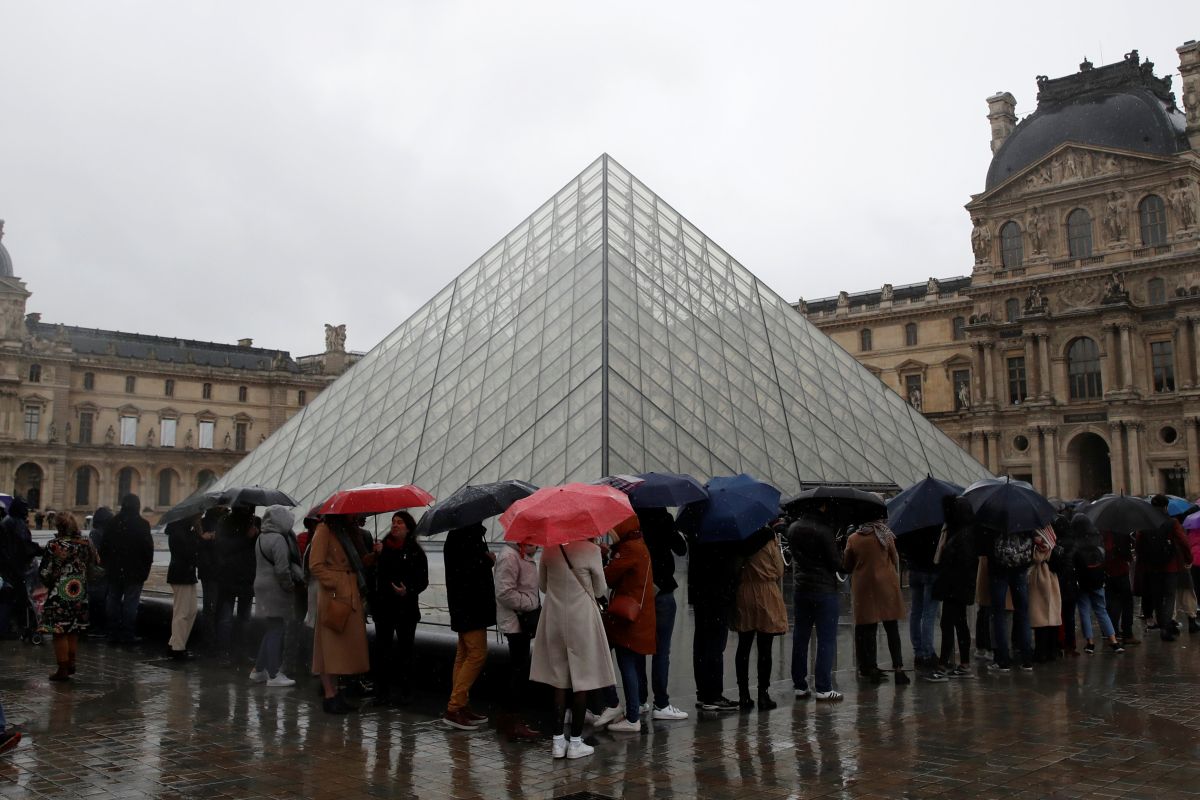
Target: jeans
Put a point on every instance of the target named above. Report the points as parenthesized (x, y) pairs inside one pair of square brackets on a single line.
[(123, 600), (1119, 594), (954, 624), (1002, 582), (468, 663), (229, 632), (1088, 602), (660, 668), (818, 609), (270, 650), (923, 614), (708, 653), (627, 662)]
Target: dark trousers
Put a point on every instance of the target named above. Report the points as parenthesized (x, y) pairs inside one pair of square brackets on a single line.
[(231, 626), (98, 606), (865, 638), (1069, 601), (983, 628), (741, 660), (518, 671), (708, 653), (394, 654), (1118, 596), (819, 610), (122, 609), (954, 624)]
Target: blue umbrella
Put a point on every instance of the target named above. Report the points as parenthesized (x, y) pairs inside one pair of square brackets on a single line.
[(666, 489), (1008, 506), (1177, 506), (736, 507), (5, 500), (920, 505)]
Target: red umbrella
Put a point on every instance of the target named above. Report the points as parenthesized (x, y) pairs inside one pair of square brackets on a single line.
[(375, 498), (560, 514)]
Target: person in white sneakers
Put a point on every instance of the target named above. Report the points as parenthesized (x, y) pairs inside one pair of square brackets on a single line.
[(664, 542), (277, 578)]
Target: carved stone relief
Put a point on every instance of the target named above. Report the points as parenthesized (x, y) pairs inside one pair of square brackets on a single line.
[(1076, 295)]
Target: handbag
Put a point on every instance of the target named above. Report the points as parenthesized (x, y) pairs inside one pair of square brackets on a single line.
[(623, 607), (335, 614)]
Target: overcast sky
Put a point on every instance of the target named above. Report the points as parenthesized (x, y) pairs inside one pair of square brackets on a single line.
[(252, 169)]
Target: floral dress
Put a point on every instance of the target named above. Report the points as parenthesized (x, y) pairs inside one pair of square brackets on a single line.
[(64, 574)]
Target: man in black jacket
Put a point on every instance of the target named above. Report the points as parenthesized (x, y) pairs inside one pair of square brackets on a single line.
[(712, 590), (127, 553), (471, 596), (815, 563), (183, 537), (236, 534), (17, 551), (664, 541)]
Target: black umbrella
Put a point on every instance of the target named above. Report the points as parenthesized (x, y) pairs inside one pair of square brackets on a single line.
[(1008, 506), (845, 505), (253, 496), (920, 505), (473, 504), (196, 504), (666, 489), (1122, 514)]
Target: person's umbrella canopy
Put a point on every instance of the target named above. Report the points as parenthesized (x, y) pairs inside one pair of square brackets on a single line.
[(1123, 513), (196, 504), (736, 507), (252, 496), (559, 514), (6, 500), (375, 498), (920, 505), (1192, 522), (626, 483), (473, 504), (844, 505), (1177, 506), (666, 490), (1008, 506)]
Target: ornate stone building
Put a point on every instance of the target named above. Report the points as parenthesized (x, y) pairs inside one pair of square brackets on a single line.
[(88, 415), (1071, 354)]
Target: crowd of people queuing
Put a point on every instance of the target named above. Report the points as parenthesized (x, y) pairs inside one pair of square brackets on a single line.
[(569, 613)]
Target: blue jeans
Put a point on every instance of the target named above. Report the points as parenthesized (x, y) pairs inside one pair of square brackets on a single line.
[(270, 650), (819, 609), (627, 663), (1087, 602), (123, 600), (924, 612), (1001, 583), (660, 669)]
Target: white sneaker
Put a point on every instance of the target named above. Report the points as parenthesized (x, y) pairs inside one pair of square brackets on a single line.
[(645, 707), (802, 694), (258, 676), (577, 749), (558, 746), (280, 680), (831, 696), (610, 714), (625, 726), (669, 712)]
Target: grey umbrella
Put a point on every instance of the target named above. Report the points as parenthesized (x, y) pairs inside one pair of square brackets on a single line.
[(473, 504)]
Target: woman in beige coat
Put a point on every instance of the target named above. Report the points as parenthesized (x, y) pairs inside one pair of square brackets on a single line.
[(873, 564), (570, 649), (340, 637), (759, 614), (1045, 598)]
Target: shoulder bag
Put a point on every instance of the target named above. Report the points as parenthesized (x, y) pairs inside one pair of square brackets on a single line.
[(571, 567), (623, 607)]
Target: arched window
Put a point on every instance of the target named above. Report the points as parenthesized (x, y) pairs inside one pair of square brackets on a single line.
[(126, 482), (1012, 309), (89, 381), (910, 334), (166, 487), (958, 328), (864, 340), (1083, 369), (35, 373), (1079, 233), (1012, 249), (1156, 291), (1153, 217)]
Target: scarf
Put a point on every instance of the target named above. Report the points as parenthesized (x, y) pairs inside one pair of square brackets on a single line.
[(343, 537), (882, 532), (1044, 540)]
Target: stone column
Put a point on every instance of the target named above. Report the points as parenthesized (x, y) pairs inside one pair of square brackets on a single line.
[(989, 387), (1192, 430), (976, 445), (993, 462), (977, 375), (1109, 372), (1051, 452), (1035, 458), (1046, 390), (1126, 357), (1117, 458), (1195, 351), (1000, 374), (1134, 429)]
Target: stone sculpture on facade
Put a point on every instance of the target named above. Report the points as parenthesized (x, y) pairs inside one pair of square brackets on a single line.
[(964, 397), (981, 241), (1036, 301), (1039, 229), (52, 433), (187, 440), (1182, 200), (914, 398), (110, 435), (1114, 289), (1116, 217), (150, 438), (887, 293), (335, 338)]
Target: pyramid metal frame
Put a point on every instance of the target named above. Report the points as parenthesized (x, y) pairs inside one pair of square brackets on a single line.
[(605, 334)]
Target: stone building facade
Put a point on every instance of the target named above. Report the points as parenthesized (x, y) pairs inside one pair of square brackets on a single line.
[(1070, 356), (89, 415)]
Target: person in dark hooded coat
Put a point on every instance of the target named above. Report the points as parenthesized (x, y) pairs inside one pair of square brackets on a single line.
[(956, 561), (17, 551), (127, 553), (471, 596), (97, 584)]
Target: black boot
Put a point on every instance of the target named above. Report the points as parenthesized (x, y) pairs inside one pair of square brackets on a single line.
[(744, 701), (1193, 625), (765, 703)]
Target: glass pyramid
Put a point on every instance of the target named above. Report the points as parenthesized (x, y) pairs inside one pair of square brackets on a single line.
[(605, 334)]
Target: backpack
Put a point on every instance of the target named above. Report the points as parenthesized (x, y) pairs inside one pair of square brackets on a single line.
[(1013, 550), (1157, 547), (1089, 568)]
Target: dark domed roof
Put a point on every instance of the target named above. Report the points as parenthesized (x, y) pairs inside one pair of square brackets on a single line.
[(1120, 105)]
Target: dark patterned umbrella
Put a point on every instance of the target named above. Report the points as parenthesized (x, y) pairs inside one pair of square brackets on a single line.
[(473, 504)]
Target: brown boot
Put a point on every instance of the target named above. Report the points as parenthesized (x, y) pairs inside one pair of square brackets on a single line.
[(62, 674)]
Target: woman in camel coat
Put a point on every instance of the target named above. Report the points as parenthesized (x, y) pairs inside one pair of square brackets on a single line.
[(339, 575), (628, 574), (873, 564), (759, 614), (1045, 599)]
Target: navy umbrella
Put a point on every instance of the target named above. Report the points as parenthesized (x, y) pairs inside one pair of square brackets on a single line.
[(1122, 514), (844, 505), (736, 507), (920, 505), (666, 489), (1008, 506), (473, 504)]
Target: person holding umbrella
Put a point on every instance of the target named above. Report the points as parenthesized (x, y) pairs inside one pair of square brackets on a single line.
[(815, 563), (1087, 559), (1167, 557), (629, 621), (664, 541), (873, 564)]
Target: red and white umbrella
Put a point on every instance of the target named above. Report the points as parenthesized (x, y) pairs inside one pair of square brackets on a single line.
[(375, 498), (560, 514)]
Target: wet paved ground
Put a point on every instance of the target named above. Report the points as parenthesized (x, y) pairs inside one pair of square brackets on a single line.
[(133, 725)]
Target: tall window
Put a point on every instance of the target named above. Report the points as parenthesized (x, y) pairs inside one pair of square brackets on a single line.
[(1083, 369), (35, 373), (1079, 233), (1017, 389), (130, 384), (1153, 218), (1162, 361), (910, 334), (85, 427), (129, 430), (167, 433), (124, 483), (1156, 291), (33, 422), (301, 397), (958, 329), (83, 486), (169, 387), (239, 437), (1012, 309), (962, 389), (206, 391), (89, 381), (242, 393), (166, 481), (864, 340), (207, 427), (1012, 250)]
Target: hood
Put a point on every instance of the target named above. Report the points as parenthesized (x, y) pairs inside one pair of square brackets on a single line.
[(278, 519), (131, 505), (102, 517), (18, 508)]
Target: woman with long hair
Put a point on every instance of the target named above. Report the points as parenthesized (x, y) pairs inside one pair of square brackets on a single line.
[(63, 572), (403, 573), (873, 563), (340, 639), (759, 615)]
